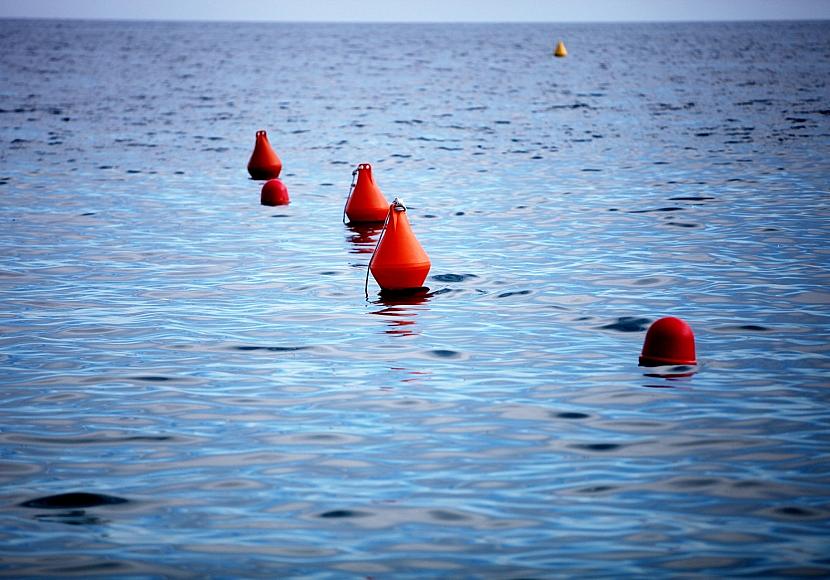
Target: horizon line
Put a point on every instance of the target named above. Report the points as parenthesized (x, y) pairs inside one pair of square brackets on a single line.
[(277, 21)]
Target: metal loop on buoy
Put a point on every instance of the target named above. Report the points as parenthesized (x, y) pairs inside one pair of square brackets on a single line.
[(377, 245), (399, 204), (351, 190)]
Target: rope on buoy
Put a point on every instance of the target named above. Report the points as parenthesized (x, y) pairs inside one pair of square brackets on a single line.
[(398, 205), (351, 189)]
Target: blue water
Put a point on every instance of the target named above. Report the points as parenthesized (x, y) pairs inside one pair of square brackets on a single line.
[(206, 380)]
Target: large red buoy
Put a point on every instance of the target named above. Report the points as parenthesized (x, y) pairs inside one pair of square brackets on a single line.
[(264, 163), (399, 261), (274, 192), (669, 341), (366, 202)]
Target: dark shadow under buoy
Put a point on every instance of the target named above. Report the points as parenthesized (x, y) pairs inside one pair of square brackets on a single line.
[(410, 297), (671, 371)]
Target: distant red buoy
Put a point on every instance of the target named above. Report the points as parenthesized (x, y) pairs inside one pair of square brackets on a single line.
[(264, 162), (274, 192), (366, 202), (669, 341), (399, 261)]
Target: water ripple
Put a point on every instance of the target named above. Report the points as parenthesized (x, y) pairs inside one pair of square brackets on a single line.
[(183, 367)]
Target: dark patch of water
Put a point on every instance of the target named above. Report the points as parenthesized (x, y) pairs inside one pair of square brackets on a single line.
[(79, 499), (628, 324)]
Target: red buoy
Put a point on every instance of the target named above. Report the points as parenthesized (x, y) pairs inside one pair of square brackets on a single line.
[(264, 162), (366, 202), (274, 192), (399, 261), (669, 341)]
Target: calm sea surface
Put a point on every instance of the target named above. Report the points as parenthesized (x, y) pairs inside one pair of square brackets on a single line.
[(206, 380)]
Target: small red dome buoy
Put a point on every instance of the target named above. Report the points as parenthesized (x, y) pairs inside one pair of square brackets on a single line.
[(669, 341), (366, 202), (274, 192), (264, 163), (399, 261)]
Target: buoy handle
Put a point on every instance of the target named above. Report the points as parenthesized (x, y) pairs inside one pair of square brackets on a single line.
[(397, 205), (394, 205), (351, 190)]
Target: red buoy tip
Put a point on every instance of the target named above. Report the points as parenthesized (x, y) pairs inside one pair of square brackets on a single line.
[(669, 341), (274, 192)]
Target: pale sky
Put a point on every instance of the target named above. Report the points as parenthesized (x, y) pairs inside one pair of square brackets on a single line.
[(422, 10)]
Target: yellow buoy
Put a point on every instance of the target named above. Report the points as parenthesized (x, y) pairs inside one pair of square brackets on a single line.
[(560, 49)]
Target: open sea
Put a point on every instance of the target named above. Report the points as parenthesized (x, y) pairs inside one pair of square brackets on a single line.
[(195, 385)]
